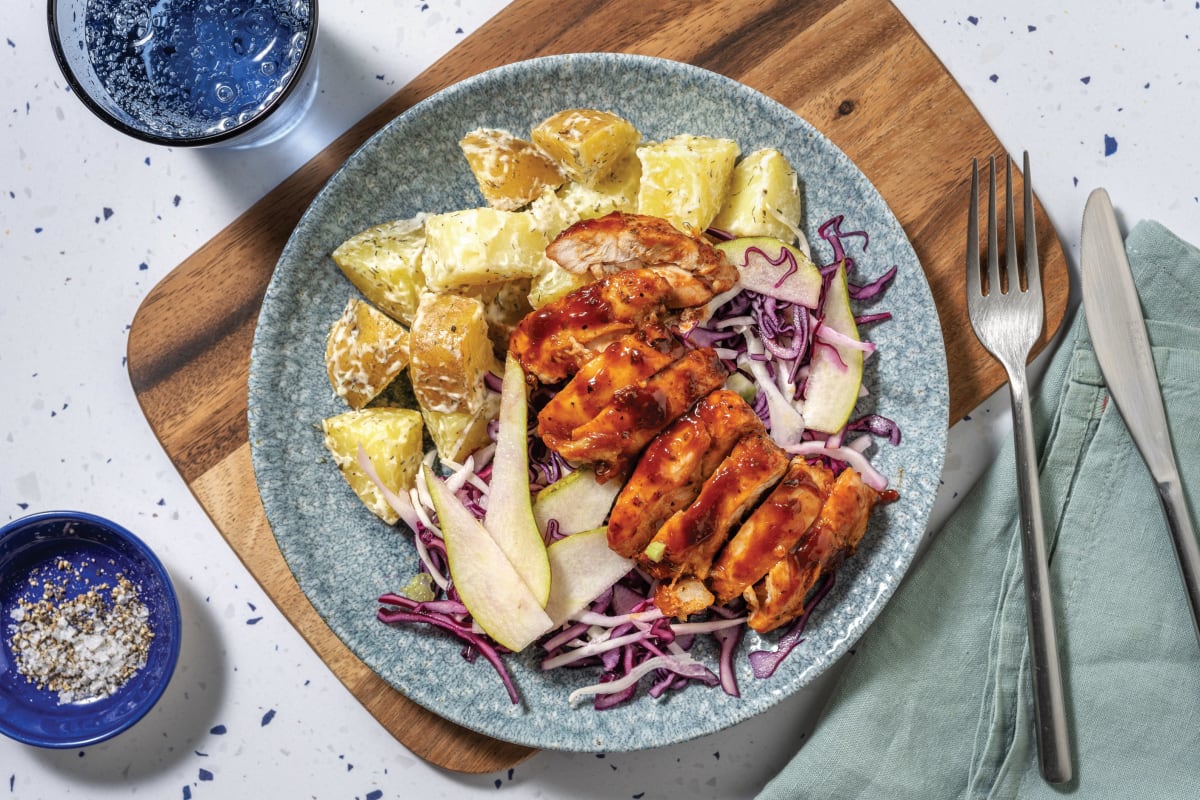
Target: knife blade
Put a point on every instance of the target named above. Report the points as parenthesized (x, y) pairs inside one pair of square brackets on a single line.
[(1118, 331)]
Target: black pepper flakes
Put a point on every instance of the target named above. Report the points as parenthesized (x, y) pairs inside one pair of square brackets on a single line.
[(83, 647)]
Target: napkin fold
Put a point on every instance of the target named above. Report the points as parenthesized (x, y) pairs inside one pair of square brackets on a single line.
[(936, 700)]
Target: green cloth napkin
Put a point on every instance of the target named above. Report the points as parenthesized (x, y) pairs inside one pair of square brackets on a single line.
[(936, 700)]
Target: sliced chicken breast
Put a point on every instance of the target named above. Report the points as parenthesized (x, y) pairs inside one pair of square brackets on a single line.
[(773, 530), (612, 441), (687, 542), (673, 467)]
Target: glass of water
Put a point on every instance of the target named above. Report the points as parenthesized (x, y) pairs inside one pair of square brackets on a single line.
[(190, 73)]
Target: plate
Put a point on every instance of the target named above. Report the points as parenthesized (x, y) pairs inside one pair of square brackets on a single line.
[(344, 558)]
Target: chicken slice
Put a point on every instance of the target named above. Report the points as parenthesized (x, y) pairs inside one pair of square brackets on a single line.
[(618, 241), (682, 598), (676, 463), (772, 530), (687, 542), (779, 597), (556, 340), (613, 439), (625, 362)]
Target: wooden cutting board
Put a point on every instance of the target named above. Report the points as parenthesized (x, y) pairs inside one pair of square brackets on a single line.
[(855, 69)]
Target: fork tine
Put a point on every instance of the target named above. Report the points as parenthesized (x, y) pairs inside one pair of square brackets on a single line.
[(1033, 274), (993, 255), (973, 289), (1010, 234)]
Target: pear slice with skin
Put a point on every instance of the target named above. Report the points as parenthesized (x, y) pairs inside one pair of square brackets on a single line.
[(583, 566), (836, 371), (576, 501), (497, 597), (772, 267), (509, 518)]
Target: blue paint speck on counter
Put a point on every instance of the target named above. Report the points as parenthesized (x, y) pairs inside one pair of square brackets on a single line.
[(1110, 145), (1085, 80), (205, 775), (267, 717), (217, 730), (375, 794)]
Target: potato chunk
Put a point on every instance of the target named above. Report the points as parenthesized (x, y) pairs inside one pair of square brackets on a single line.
[(392, 439), (364, 352), (764, 198), (587, 143), (450, 351), (510, 172), (504, 311), (458, 434), (685, 179), (617, 192), (551, 214), (384, 263), (554, 283), (480, 246)]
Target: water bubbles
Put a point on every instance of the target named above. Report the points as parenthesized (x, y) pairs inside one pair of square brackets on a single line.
[(193, 68)]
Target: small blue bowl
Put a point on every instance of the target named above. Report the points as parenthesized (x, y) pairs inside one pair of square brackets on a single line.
[(98, 550)]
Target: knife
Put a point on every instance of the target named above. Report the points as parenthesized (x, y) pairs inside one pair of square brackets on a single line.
[(1118, 331)]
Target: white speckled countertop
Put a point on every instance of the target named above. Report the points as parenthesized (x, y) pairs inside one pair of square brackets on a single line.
[(1101, 92)]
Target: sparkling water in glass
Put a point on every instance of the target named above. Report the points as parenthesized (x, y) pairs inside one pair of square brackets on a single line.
[(233, 73)]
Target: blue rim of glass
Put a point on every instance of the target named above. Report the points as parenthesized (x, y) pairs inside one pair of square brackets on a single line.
[(187, 141), (171, 621)]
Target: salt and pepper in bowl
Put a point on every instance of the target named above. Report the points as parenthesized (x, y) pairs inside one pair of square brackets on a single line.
[(89, 629)]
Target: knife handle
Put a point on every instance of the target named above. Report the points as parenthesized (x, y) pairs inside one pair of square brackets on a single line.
[(1179, 524), (1049, 704)]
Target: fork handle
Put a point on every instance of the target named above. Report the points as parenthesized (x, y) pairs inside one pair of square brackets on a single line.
[(1049, 706)]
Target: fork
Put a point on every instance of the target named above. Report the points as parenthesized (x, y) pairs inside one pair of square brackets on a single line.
[(1006, 311)]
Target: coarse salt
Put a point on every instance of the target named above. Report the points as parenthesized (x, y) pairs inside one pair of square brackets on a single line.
[(84, 647)]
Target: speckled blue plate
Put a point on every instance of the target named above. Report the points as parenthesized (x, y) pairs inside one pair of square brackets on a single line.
[(344, 557)]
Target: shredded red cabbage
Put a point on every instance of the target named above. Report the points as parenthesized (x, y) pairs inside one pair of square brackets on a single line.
[(764, 662), (875, 287), (403, 609), (877, 425)]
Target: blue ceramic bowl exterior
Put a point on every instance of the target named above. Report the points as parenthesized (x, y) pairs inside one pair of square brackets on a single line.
[(99, 549)]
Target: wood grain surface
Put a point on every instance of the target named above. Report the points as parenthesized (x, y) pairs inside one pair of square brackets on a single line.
[(854, 69)]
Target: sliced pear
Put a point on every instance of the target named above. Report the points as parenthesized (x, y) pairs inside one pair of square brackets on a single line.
[(577, 502), (496, 595), (509, 516), (582, 566), (836, 370), (765, 267)]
